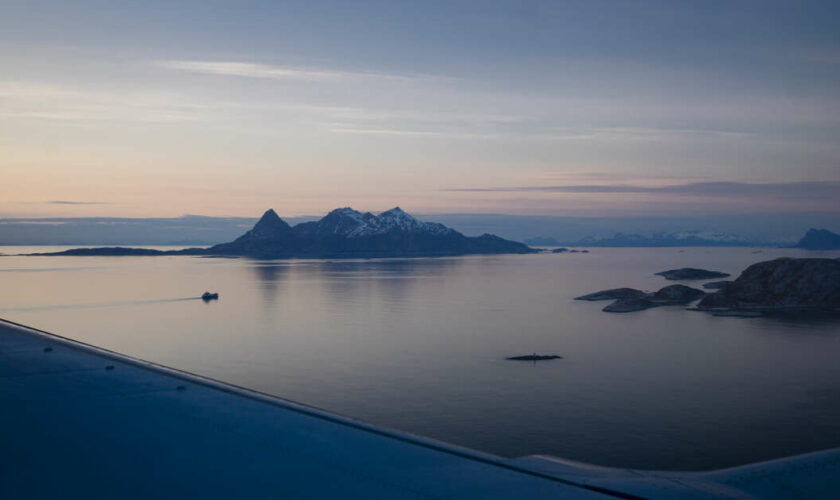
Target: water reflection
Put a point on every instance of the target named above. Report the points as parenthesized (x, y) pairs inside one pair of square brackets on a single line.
[(391, 281), (805, 322), (269, 276), (353, 283)]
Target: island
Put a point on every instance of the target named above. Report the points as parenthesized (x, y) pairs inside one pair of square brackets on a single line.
[(342, 233), (613, 294), (819, 239), (780, 285), (534, 357), (630, 299), (690, 273), (668, 296)]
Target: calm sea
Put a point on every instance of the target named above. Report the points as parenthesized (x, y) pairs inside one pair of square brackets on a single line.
[(419, 345)]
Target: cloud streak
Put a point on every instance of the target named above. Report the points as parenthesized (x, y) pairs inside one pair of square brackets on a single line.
[(827, 190), (38, 101), (71, 202), (266, 71), (380, 131)]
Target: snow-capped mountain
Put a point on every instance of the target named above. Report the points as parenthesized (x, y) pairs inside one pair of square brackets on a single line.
[(354, 224), (345, 232), (709, 236), (342, 233), (678, 239)]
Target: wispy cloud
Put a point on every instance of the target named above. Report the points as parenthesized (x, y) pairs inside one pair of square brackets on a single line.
[(488, 126), (37, 101), (658, 131), (266, 71), (826, 190), (381, 131), (73, 202)]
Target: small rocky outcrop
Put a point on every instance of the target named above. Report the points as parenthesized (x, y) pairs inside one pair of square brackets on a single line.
[(690, 273), (630, 299), (534, 357), (630, 304), (785, 284), (613, 294), (667, 296), (559, 250), (677, 294), (716, 285)]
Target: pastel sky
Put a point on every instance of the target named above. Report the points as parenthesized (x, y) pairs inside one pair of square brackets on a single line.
[(220, 107)]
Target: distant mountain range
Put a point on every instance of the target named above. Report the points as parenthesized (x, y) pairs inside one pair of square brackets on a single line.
[(199, 230), (342, 233), (814, 239), (677, 239), (819, 239)]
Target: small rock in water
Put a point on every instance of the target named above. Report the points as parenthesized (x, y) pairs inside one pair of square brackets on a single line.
[(534, 357), (690, 273)]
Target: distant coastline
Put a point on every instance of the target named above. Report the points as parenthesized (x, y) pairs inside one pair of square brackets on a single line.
[(342, 233), (684, 239), (535, 230)]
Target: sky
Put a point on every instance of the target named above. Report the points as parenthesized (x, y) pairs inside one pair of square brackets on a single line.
[(578, 108)]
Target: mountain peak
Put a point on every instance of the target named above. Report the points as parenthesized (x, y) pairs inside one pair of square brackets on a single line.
[(343, 210), (397, 218), (343, 233), (343, 221), (269, 215), (396, 213), (269, 224), (819, 239)]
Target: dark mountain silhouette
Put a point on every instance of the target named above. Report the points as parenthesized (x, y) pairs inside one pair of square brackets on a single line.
[(819, 239), (781, 285), (342, 233), (270, 235), (691, 273)]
